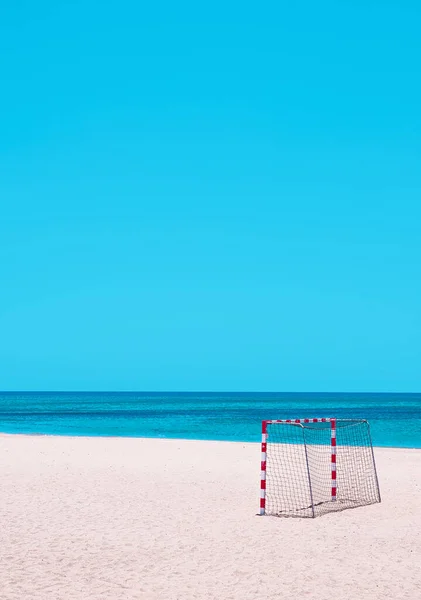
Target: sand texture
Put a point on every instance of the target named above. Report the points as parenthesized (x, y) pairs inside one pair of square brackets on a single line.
[(106, 519)]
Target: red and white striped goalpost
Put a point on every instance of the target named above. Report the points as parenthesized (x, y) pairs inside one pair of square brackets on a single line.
[(264, 455), (333, 456)]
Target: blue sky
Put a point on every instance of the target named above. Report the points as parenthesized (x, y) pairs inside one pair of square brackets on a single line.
[(210, 197)]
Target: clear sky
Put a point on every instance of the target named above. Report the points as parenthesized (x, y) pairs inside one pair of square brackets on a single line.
[(221, 196)]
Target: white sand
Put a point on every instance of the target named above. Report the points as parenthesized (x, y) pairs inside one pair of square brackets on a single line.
[(157, 519)]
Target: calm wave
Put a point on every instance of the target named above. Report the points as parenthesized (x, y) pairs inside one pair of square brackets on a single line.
[(395, 419)]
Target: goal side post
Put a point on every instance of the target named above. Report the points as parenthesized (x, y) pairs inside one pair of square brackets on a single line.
[(263, 468), (333, 456)]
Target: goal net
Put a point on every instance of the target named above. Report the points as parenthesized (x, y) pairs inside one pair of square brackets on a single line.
[(314, 466)]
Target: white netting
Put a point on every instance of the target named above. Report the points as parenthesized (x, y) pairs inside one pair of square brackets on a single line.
[(299, 468)]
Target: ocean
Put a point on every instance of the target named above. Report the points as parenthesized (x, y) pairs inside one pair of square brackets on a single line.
[(395, 419)]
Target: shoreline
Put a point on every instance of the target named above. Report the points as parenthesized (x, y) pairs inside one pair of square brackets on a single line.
[(4, 434)]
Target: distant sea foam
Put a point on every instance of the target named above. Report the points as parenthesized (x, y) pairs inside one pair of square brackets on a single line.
[(395, 419)]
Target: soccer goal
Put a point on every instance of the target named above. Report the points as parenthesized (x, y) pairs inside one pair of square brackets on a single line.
[(314, 466)]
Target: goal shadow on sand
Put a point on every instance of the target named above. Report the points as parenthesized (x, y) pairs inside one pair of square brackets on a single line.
[(323, 508)]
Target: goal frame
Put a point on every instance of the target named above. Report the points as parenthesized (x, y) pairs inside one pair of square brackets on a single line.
[(301, 423)]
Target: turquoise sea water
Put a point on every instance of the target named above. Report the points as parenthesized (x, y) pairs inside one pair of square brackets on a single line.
[(395, 419)]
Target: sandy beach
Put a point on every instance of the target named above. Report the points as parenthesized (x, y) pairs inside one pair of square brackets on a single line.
[(108, 518)]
